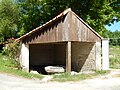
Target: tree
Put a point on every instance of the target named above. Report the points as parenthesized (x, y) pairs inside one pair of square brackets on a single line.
[(97, 13), (30, 15), (9, 14)]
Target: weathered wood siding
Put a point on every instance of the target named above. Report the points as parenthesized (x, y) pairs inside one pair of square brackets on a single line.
[(66, 28), (79, 31)]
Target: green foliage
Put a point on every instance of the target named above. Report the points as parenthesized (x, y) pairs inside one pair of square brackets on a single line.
[(9, 14), (18, 17), (68, 77), (4, 62), (8, 66), (101, 72), (30, 15), (114, 37), (12, 49), (96, 13), (115, 57)]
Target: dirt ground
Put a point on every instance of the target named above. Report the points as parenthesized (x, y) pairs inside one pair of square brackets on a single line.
[(107, 82)]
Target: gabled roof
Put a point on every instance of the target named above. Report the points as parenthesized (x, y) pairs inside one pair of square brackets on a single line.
[(54, 19)]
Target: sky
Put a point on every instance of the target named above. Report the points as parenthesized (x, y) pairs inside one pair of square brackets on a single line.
[(113, 27)]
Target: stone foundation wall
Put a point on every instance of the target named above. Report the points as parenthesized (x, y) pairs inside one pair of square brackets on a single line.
[(83, 56), (24, 57)]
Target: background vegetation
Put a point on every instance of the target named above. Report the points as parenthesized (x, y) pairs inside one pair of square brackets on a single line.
[(9, 66), (18, 17), (115, 57)]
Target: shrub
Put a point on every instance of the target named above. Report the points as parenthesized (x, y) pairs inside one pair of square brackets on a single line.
[(12, 49)]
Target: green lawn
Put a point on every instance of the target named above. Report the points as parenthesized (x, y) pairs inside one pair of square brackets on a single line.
[(115, 57), (8, 66), (67, 77)]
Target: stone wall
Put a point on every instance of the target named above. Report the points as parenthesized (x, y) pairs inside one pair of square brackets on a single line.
[(83, 56), (24, 57)]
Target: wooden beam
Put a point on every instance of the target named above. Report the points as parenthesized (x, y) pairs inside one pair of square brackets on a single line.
[(68, 57)]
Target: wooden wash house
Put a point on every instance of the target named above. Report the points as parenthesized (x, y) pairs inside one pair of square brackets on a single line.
[(66, 40)]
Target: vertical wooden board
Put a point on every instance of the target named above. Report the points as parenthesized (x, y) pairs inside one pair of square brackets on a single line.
[(82, 33), (88, 34), (73, 27), (45, 35), (92, 36), (69, 16), (53, 31), (59, 32), (50, 36), (79, 31), (63, 31), (42, 36), (54, 28), (76, 29), (66, 28), (53, 34), (56, 33)]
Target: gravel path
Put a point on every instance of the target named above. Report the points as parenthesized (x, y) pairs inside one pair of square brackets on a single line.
[(9, 82)]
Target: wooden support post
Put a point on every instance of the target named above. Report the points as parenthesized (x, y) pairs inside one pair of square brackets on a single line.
[(68, 57)]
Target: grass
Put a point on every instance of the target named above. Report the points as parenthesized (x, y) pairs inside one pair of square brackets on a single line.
[(68, 77), (8, 66), (115, 57)]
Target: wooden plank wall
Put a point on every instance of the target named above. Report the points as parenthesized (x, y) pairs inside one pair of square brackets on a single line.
[(54, 32), (79, 31), (67, 28)]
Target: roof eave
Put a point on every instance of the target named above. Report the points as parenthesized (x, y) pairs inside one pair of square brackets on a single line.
[(47, 23)]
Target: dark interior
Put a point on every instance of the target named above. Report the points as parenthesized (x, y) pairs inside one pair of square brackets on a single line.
[(42, 55)]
